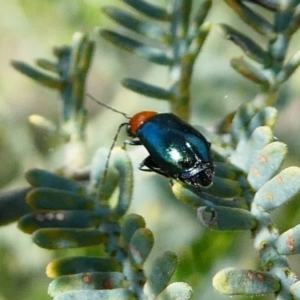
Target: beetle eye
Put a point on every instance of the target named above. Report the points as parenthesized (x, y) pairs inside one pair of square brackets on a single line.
[(205, 181), (206, 177), (203, 178), (128, 130)]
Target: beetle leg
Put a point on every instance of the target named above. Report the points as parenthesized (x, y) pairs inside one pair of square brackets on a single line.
[(151, 166), (132, 142)]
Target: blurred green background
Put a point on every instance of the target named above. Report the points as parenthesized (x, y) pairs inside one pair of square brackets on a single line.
[(29, 30)]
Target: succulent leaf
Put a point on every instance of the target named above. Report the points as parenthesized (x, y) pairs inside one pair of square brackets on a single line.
[(256, 21), (226, 218), (131, 22), (250, 48), (55, 199), (176, 290), (140, 245), (150, 53), (124, 294), (57, 219), (162, 270), (86, 281), (35, 74), (288, 242), (62, 238), (42, 178), (233, 281), (150, 10), (266, 163), (279, 190), (146, 89), (132, 223), (80, 264)]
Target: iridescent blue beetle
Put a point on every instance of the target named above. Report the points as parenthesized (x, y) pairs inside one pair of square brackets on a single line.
[(176, 149)]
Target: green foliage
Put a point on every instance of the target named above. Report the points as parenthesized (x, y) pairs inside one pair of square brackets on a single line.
[(79, 207), (178, 42), (273, 67)]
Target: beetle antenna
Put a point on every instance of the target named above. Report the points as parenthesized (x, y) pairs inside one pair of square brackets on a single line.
[(110, 151), (109, 107)]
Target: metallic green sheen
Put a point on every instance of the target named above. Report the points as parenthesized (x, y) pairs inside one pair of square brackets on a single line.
[(177, 150)]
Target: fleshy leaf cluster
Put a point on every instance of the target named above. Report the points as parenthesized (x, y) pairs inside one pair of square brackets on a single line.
[(173, 38), (84, 207), (71, 214)]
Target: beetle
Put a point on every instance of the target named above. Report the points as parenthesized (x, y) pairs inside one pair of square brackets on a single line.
[(176, 149)]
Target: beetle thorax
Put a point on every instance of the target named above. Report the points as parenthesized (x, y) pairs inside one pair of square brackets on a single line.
[(138, 120)]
